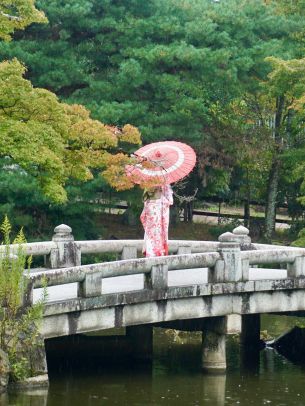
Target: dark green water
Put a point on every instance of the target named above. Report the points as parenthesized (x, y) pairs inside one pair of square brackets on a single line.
[(175, 378)]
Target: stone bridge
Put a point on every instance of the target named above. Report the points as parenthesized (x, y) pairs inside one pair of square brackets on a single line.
[(199, 286)]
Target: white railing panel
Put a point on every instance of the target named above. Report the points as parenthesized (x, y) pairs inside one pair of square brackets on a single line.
[(264, 273), (127, 283), (57, 293), (186, 277)]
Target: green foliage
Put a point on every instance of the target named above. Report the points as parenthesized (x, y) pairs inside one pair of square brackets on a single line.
[(226, 225), (18, 321), (159, 66), (300, 242), (192, 70), (51, 140), (170, 68), (16, 15)]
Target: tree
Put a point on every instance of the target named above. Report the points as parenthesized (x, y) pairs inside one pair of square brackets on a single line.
[(286, 88), (160, 66), (18, 15), (48, 139), (174, 69), (51, 140)]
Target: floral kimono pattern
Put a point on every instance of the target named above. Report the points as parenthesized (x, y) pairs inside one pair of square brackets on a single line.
[(155, 220)]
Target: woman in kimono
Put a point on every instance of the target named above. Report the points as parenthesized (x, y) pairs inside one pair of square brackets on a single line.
[(155, 220)]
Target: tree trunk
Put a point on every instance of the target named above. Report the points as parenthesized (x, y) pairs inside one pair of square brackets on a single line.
[(247, 204), (270, 212), (190, 211), (273, 179), (184, 212), (219, 213), (247, 213)]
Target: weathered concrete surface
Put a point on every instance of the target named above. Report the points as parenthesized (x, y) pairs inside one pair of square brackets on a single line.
[(151, 290), (39, 381), (193, 302), (214, 345), (129, 283), (123, 268)]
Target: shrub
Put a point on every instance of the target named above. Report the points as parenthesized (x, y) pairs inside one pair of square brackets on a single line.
[(19, 320)]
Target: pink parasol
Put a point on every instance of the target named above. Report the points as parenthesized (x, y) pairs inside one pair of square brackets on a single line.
[(168, 162)]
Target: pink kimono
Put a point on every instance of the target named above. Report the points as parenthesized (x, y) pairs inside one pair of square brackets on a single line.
[(155, 220)]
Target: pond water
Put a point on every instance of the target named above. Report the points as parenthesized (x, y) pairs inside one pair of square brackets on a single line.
[(174, 378)]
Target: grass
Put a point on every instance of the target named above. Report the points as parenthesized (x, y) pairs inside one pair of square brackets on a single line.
[(112, 227), (255, 211)]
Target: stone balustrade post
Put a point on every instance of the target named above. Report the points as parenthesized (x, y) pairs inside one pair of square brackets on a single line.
[(241, 234), (184, 249), (67, 253), (297, 268), (229, 267), (157, 278), (91, 286), (129, 253)]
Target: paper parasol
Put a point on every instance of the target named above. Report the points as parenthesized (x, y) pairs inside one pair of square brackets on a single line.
[(166, 162)]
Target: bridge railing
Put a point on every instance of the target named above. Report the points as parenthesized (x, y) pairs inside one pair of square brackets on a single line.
[(230, 259), (63, 249), (155, 271), (226, 265)]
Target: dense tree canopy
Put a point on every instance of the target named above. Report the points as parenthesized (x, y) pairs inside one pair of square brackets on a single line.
[(18, 15), (50, 140), (158, 65), (192, 70)]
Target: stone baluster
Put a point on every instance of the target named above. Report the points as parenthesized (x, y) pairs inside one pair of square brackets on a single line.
[(231, 268), (157, 278), (297, 268), (129, 252), (67, 253), (241, 234), (91, 285), (184, 249)]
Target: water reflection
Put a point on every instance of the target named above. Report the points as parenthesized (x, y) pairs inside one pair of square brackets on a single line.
[(214, 389), (175, 378), (35, 397)]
